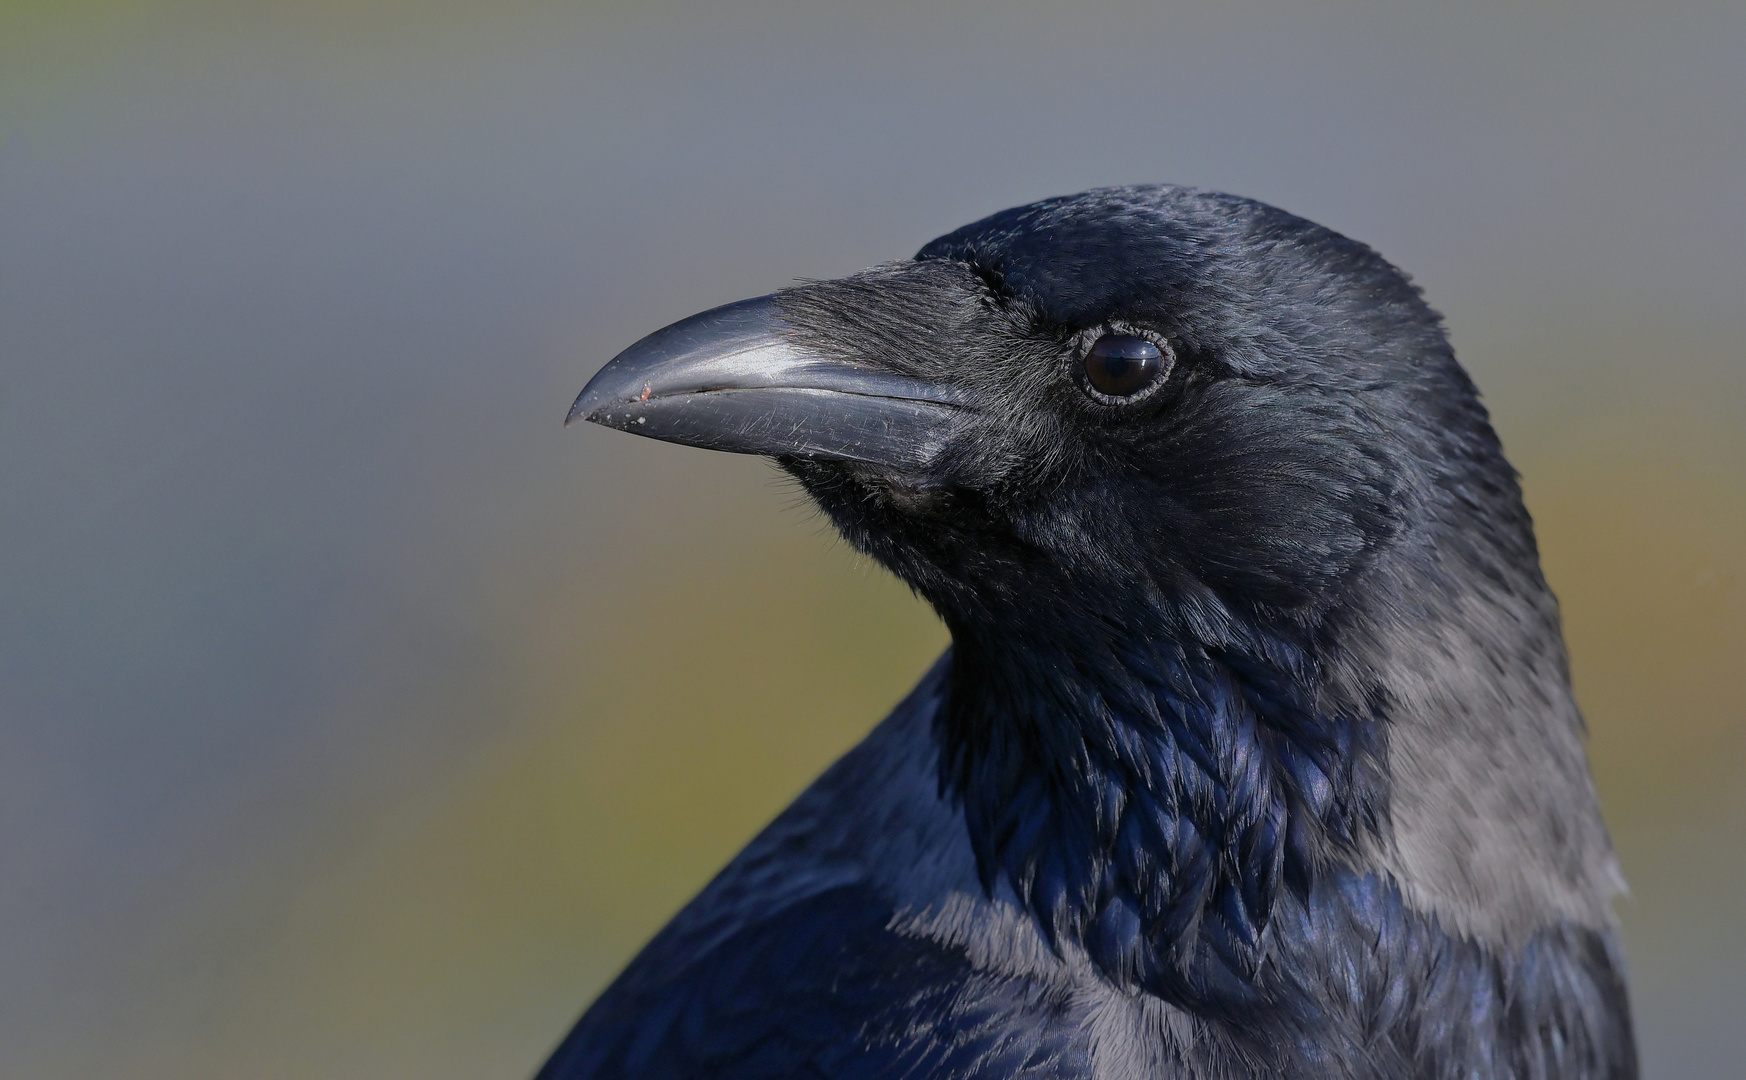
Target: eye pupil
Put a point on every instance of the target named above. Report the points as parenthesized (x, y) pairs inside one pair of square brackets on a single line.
[(1121, 365)]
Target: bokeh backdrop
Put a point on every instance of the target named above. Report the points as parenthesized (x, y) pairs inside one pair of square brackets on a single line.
[(358, 720)]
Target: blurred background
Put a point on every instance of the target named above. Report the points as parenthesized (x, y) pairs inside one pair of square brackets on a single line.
[(358, 720)]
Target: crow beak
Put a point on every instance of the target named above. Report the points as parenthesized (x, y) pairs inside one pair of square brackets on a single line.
[(733, 379)]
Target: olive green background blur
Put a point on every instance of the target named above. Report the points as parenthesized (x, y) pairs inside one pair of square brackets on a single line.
[(358, 720)]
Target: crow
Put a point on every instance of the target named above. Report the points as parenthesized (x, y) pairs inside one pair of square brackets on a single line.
[(1254, 753)]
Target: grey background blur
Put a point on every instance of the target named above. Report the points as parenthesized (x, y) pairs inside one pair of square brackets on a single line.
[(357, 720)]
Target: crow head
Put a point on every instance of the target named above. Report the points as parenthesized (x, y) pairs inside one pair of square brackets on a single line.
[(1239, 582), (1087, 400)]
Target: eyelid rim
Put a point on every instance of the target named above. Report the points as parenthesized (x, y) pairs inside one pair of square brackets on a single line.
[(1080, 348)]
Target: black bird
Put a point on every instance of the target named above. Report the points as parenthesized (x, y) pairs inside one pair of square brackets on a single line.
[(1254, 754)]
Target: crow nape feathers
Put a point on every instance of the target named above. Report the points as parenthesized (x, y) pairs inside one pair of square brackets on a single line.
[(1257, 703)]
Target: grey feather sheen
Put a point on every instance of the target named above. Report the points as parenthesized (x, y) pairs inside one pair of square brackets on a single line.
[(1494, 826)]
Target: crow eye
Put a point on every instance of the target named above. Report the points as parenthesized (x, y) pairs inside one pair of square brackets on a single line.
[(1121, 365)]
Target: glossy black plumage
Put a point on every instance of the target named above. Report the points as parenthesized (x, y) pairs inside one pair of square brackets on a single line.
[(818, 984), (1254, 754)]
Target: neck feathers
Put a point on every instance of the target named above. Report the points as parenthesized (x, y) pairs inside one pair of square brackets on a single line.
[(1151, 803), (1215, 826)]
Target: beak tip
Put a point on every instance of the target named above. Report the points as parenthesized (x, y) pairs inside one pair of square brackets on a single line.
[(605, 411), (588, 406)]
